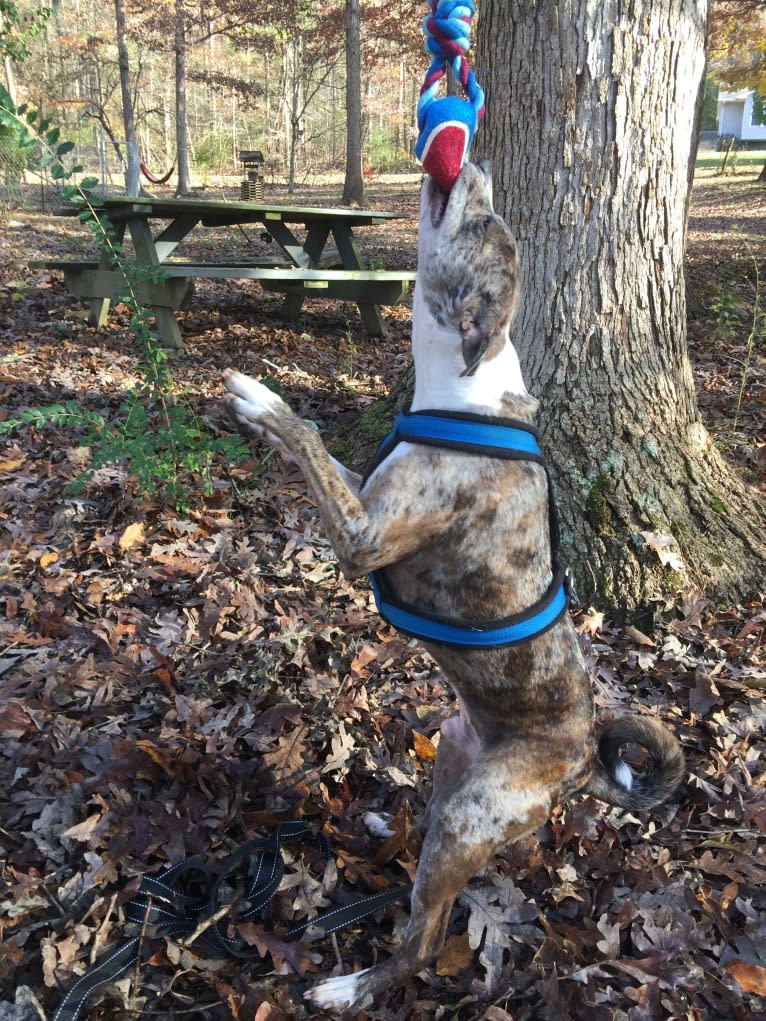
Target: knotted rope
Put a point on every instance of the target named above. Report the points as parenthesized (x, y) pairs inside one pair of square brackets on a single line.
[(447, 31)]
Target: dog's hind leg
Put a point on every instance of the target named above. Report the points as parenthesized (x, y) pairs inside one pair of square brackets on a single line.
[(495, 802), (459, 746)]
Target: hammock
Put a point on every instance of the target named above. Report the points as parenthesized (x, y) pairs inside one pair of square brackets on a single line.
[(153, 177)]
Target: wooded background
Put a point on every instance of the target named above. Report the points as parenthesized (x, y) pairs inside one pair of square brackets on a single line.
[(207, 80), (268, 76)]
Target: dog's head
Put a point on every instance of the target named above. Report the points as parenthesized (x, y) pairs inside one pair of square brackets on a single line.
[(468, 266)]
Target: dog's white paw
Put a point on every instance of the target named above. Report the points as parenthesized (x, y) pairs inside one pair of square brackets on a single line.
[(252, 399), (249, 402), (336, 994), (378, 823)]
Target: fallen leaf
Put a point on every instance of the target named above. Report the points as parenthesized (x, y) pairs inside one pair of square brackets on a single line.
[(591, 622), (133, 535), (752, 977), (365, 655), (424, 747), (86, 829), (343, 744), (456, 955), (405, 836), (156, 756), (14, 721), (704, 695), (666, 548), (639, 637), (296, 955)]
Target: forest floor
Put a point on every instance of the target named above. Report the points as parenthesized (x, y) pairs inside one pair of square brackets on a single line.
[(172, 684)]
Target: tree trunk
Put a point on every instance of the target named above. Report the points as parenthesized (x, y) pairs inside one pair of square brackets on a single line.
[(10, 77), (353, 188), (590, 109), (132, 159), (182, 135), (294, 106), (356, 447)]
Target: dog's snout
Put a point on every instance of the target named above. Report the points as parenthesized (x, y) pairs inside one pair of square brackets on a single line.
[(485, 166), (481, 174), (470, 196)]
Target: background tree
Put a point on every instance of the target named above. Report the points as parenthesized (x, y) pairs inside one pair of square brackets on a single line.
[(738, 43), (18, 27), (263, 77), (182, 143), (738, 48), (353, 187), (590, 113), (132, 159)]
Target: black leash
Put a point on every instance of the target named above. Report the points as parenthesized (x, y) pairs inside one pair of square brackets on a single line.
[(178, 900)]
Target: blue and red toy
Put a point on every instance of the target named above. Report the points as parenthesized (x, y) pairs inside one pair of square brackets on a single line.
[(447, 124)]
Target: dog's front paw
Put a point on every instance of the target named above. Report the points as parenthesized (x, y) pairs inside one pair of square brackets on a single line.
[(336, 994), (254, 408), (251, 399), (379, 824)]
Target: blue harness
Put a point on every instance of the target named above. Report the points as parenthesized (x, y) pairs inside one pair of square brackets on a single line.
[(493, 437)]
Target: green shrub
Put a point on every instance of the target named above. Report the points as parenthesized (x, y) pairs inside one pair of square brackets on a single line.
[(164, 445)]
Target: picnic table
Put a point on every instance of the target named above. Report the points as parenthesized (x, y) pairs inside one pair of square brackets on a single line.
[(307, 268)]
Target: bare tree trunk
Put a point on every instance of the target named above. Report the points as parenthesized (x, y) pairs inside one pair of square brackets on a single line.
[(294, 109), (353, 188), (132, 159), (590, 109), (590, 114), (10, 77), (402, 119), (182, 135)]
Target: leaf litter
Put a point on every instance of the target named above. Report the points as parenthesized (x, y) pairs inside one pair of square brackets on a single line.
[(172, 687)]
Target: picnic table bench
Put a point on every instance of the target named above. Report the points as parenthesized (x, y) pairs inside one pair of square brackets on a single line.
[(307, 268)]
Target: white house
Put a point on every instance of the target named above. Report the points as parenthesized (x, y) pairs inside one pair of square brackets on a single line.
[(737, 117)]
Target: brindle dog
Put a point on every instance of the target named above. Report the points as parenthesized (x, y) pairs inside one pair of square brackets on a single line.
[(467, 537)]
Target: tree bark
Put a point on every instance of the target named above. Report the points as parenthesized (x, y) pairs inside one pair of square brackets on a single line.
[(294, 105), (182, 136), (353, 187), (590, 109), (132, 159), (590, 116), (10, 77)]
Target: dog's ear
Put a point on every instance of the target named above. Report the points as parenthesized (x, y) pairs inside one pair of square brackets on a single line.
[(492, 285), (482, 326), (475, 339)]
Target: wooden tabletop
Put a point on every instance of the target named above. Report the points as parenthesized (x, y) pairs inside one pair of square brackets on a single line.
[(212, 212)]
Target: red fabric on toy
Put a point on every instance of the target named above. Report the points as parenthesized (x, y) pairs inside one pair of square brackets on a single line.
[(445, 152)]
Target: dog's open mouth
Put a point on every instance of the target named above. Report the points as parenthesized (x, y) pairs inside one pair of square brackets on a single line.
[(438, 199)]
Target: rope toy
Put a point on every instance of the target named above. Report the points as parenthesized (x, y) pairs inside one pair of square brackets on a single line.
[(447, 124)]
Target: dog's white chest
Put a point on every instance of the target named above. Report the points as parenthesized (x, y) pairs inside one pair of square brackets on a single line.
[(436, 350)]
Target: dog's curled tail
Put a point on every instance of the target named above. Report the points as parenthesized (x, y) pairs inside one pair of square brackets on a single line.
[(612, 779)]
